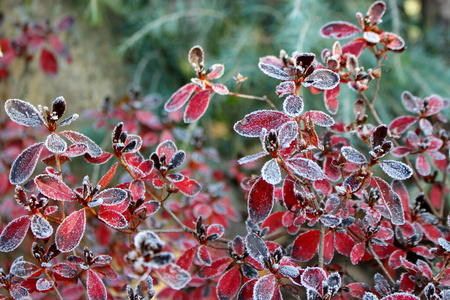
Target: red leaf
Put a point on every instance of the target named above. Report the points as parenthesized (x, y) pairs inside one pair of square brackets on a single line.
[(423, 167), (289, 198), (69, 233), (113, 218), (48, 62), (246, 291), (186, 258), (187, 186), (229, 284), (25, 163), (78, 138), (23, 113), (391, 200), (197, 106), (401, 296), (75, 150), (339, 30), (106, 179), (64, 270), (343, 243), (101, 159), (328, 248), (174, 276), (392, 41), (273, 222), (265, 288), (305, 168), (435, 105), (357, 252), (285, 88), (400, 189), (53, 187), (203, 255), (331, 100), (305, 245), (180, 97), (319, 118), (395, 261), (216, 268), (376, 11), (260, 200), (96, 290), (401, 124), (252, 124), (313, 278), (355, 47), (14, 233)]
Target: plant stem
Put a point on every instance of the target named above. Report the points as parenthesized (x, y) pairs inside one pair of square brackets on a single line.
[(443, 186), (185, 228), (321, 245), (54, 285), (263, 98), (375, 256)]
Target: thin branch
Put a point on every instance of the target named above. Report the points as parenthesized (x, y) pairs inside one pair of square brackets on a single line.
[(369, 247), (263, 98), (321, 245)]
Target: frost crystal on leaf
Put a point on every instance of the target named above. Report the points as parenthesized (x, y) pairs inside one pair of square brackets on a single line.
[(43, 284), (444, 244), (305, 168), (24, 165), (41, 228), (353, 155), (293, 105), (273, 72), (55, 144), (253, 157), (396, 169), (256, 247), (23, 113), (288, 132), (271, 172), (322, 79)]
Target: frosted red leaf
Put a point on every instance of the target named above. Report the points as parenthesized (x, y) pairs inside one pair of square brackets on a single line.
[(24, 269), (246, 291), (376, 11), (401, 124), (229, 284), (314, 278), (393, 41), (44, 285), (305, 245), (112, 196), (23, 113), (352, 155), (273, 222), (395, 169), (53, 187), (220, 89), (435, 105), (75, 150), (355, 47), (339, 30), (187, 186), (48, 62), (216, 268), (113, 218), (215, 71), (391, 200), (77, 138), (273, 71), (253, 123), (264, 288), (174, 276), (401, 296), (197, 106), (271, 172), (331, 99), (293, 105), (319, 118), (203, 255), (14, 233), (400, 189), (357, 252), (257, 248), (40, 227), (289, 197), (106, 179), (70, 231), (187, 258), (305, 168), (285, 88), (180, 97), (260, 200), (96, 289), (343, 243), (423, 167), (322, 79), (25, 163)]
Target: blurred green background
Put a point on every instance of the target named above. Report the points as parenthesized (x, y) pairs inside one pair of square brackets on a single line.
[(121, 43)]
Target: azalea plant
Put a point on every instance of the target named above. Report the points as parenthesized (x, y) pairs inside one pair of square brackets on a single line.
[(156, 221)]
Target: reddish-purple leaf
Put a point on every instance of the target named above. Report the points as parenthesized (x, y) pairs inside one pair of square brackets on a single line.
[(285, 88), (352, 155), (355, 47), (401, 124), (101, 159), (203, 255), (289, 198), (77, 138), (391, 200), (113, 218), (260, 200), (401, 296), (400, 189), (357, 252), (271, 172), (55, 144), (44, 285), (64, 270), (187, 186), (110, 197), (229, 284), (25, 163), (257, 248), (319, 118), (174, 276), (220, 89), (331, 99), (376, 11), (265, 288), (423, 167), (396, 169), (187, 258), (180, 97), (339, 30), (246, 291), (76, 150), (106, 179), (216, 268), (253, 124), (293, 105), (288, 132), (215, 71), (96, 289), (69, 233), (343, 243), (305, 245), (322, 79), (48, 62), (395, 260), (305, 168), (23, 269), (274, 222), (273, 71), (314, 278), (197, 106), (23, 113), (328, 248), (40, 227), (434, 105), (393, 41), (14, 233), (53, 187)]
